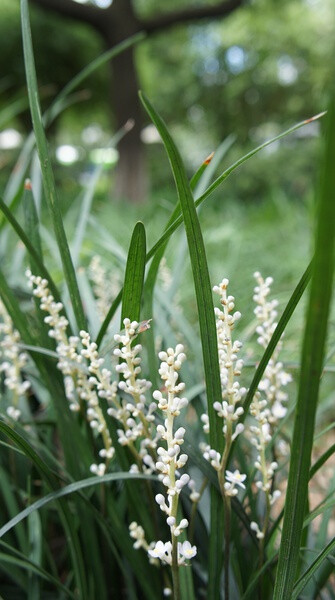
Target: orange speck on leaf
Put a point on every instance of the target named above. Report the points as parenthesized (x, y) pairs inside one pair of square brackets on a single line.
[(208, 159), (318, 116)]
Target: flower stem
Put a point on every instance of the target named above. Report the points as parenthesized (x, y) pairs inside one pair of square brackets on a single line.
[(262, 545), (227, 522), (227, 508), (175, 570)]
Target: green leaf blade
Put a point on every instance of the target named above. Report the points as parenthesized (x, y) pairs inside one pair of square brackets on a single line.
[(47, 173), (207, 330), (311, 370), (134, 276)]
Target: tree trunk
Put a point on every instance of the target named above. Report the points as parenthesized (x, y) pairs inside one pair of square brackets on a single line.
[(131, 171)]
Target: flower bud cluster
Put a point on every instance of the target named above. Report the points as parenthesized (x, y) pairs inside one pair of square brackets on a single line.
[(275, 377), (261, 436), (194, 495), (156, 550), (170, 458), (88, 381), (57, 322), (13, 361), (267, 407), (78, 360), (218, 463), (165, 275), (229, 409), (230, 365), (97, 386), (137, 533), (136, 417), (255, 527)]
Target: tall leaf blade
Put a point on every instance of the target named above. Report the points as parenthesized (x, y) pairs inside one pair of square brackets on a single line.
[(31, 222), (35, 555), (207, 330), (47, 173), (311, 370), (33, 235), (153, 270)]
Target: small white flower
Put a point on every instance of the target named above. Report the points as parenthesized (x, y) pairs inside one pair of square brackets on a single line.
[(186, 550), (236, 478), (161, 551)]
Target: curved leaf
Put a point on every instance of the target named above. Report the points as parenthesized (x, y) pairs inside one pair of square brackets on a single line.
[(65, 491), (47, 173), (311, 370), (208, 335)]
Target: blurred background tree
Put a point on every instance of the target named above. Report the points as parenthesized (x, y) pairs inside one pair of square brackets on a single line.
[(251, 74)]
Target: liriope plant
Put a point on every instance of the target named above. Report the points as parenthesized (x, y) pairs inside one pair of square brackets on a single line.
[(153, 490), (155, 445)]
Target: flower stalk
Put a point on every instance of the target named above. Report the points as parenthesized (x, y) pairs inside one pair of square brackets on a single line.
[(169, 462), (267, 408), (229, 409)]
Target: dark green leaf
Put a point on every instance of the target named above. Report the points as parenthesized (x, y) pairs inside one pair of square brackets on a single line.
[(311, 370), (134, 276), (207, 329), (47, 173)]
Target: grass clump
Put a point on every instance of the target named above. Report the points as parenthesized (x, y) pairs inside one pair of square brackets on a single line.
[(140, 459)]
